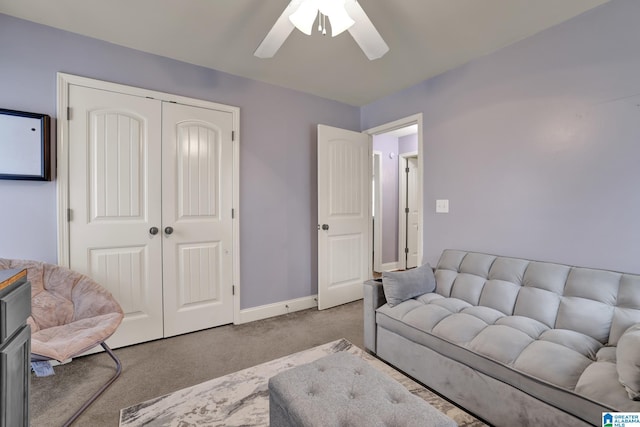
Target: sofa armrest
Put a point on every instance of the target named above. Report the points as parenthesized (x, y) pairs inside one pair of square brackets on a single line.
[(373, 298)]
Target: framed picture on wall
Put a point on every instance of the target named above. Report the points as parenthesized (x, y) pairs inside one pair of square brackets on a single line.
[(24, 146)]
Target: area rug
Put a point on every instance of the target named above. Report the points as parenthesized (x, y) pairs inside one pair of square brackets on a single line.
[(242, 398)]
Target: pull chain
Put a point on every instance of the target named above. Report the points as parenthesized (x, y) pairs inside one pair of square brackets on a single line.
[(322, 23)]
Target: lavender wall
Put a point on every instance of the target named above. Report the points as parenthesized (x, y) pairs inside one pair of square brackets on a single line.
[(408, 144), (537, 146), (387, 144), (278, 204)]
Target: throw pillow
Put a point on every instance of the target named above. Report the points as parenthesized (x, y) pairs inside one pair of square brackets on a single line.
[(400, 286), (628, 363)]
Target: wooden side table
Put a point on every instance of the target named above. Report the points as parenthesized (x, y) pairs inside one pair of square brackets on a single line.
[(15, 348)]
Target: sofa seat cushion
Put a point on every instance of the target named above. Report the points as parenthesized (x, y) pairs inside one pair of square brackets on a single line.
[(553, 363), (606, 354), (531, 327), (580, 343), (459, 328), (628, 356), (561, 367), (599, 383), (501, 343)]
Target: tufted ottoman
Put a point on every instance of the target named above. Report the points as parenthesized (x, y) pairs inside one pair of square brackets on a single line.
[(342, 390)]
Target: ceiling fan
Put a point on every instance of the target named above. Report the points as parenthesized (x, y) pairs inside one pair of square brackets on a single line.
[(342, 15)]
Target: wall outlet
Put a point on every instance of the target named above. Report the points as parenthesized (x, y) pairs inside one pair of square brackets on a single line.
[(442, 206)]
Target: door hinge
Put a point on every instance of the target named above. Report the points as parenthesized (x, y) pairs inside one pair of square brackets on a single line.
[(233, 135), (68, 113), (69, 215), (406, 250), (233, 213), (406, 210), (233, 290), (406, 170)]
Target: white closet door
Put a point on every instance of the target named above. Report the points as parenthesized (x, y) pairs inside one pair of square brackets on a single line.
[(114, 198), (197, 161)]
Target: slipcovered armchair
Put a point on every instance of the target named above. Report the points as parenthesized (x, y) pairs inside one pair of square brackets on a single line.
[(70, 314)]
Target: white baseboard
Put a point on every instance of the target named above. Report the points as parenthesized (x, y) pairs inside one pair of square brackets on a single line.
[(390, 266), (276, 309)]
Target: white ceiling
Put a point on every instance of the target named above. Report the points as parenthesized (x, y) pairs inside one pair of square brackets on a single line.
[(426, 37)]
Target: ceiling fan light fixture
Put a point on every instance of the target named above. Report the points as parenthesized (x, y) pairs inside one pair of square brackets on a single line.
[(304, 17), (343, 15), (340, 21)]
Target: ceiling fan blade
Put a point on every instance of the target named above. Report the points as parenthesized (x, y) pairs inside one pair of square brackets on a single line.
[(364, 33), (278, 33)]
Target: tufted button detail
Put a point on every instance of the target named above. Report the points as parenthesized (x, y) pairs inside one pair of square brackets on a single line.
[(312, 390), (395, 399)]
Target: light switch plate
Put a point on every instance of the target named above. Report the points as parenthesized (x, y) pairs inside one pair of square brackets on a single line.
[(442, 206)]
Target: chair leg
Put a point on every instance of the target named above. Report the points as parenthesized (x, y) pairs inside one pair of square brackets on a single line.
[(102, 389)]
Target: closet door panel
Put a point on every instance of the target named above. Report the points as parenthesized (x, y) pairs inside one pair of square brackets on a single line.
[(197, 202), (114, 197)]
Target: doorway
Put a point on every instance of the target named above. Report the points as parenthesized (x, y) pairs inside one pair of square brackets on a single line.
[(397, 234)]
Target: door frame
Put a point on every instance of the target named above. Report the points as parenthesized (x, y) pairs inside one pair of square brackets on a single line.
[(415, 119), (377, 208), (64, 81)]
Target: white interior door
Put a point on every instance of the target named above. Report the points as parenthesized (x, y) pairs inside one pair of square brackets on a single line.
[(409, 211), (114, 201), (197, 189), (344, 190), (413, 215)]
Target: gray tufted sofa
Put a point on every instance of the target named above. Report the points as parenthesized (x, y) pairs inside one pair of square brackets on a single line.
[(517, 342)]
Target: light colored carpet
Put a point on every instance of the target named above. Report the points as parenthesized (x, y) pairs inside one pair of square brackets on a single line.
[(242, 398), (159, 367)]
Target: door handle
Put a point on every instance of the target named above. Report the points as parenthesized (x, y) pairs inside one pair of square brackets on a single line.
[(168, 230), (153, 231), (325, 226)]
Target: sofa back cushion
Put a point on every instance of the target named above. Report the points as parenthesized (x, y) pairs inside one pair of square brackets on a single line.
[(540, 297), (598, 303)]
